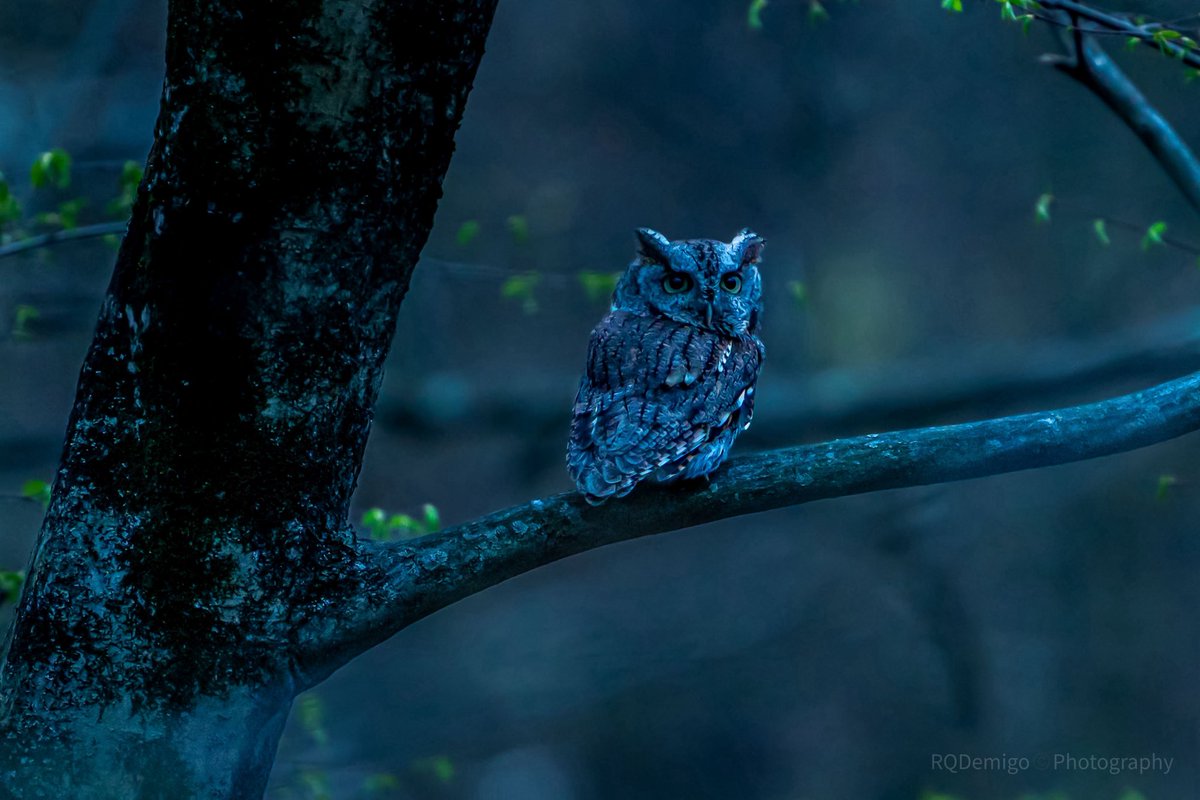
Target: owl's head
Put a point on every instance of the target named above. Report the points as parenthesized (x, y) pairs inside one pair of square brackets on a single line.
[(699, 282)]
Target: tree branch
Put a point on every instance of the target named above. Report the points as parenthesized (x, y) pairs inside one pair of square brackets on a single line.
[(1091, 66), (986, 380), (57, 237), (1106, 22), (403, 582)]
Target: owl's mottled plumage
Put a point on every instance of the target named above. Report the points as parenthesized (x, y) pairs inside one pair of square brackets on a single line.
[(671, 368)]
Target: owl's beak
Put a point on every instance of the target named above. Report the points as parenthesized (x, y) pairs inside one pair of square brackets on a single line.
[(708, 313)]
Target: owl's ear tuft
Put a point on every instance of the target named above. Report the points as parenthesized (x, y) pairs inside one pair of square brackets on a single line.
[(653, 245), (747, 247)]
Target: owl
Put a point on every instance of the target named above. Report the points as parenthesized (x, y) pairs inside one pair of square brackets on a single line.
[(669, 381)]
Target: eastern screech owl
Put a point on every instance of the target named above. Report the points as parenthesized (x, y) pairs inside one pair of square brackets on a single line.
[(670, 374)]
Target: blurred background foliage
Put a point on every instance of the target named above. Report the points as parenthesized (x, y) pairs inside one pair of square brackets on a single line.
[(898, 159)]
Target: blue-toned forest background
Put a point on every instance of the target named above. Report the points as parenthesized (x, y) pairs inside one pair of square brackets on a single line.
[(892, 155)]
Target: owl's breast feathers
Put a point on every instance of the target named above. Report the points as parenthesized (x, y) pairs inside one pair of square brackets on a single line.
[(658, 399)]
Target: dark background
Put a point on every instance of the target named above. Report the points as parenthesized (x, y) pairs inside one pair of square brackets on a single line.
[(891, 157)]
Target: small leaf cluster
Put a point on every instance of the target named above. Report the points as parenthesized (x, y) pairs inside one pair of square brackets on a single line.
[(520, 288), (51, 175), (384, 527), (517, 226), (312, 782), (1154, 235), (754, 13), (1008, 10)]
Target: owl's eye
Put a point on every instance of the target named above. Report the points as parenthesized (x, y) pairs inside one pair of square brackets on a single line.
[(731, 282), (676, 282)]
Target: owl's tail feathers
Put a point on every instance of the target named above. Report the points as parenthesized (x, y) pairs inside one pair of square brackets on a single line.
[(594, 500), (599, 484), (599, 480)]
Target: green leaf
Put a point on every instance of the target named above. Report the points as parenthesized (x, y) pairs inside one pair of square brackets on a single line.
[(518, 228), (384, 528), (1168, 42), (316, 784), (380, 782), (310, 712), (1163, 487), (467, 232), (36, 490), (22, 316), (1042, 207), (817, 12), (754, 14), (1132, 42), (1154, 235), (375, 520), (953, 5), (10, 209), (127, 184), (432, 519), (131, 176), (68, 213), (440, 767), (1100, 227), (51, 168), (10, 586), (1131, 794), (403, 523), (599, 285), (520, 287), (799, 292)]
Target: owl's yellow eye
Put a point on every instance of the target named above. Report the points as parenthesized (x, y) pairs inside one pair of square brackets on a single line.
[(676, 282), (731, 282)]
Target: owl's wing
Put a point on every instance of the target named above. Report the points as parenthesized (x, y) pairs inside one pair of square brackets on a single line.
[(653, 392)]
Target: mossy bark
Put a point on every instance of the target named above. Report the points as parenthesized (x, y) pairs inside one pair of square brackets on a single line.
[(199, 515)]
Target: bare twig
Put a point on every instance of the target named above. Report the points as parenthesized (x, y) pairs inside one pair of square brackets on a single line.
[(1092, 67), (58, 237)]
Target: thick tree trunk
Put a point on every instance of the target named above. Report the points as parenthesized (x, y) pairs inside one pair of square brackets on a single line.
[(199, 516)]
